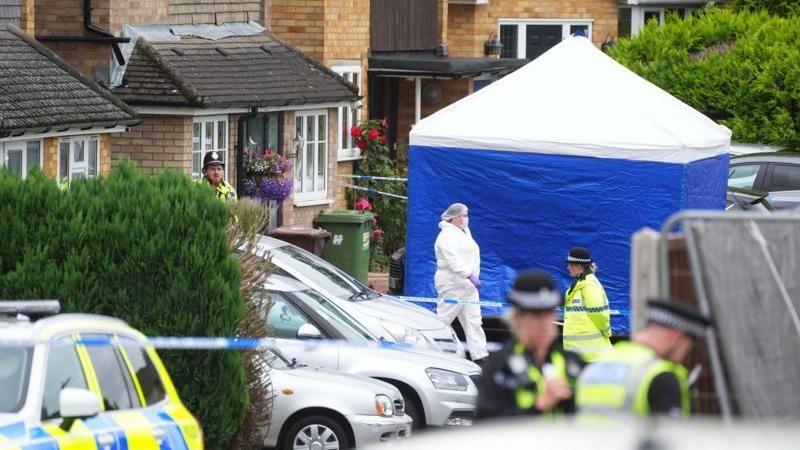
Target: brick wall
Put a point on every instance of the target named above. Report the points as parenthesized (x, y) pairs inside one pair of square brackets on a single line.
[(50, 150), (216, 12), (137, 12), (300, 23), (452, 91), (300, 217), (156, 144), (27, 21), (484, 19)]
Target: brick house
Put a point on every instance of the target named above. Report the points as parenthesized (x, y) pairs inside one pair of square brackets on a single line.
[(51, 116), (634, 14)]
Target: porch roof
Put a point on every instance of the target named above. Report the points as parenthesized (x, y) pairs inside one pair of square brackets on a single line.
[(428, 64)]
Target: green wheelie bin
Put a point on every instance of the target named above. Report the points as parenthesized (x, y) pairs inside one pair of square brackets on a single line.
[(348, 246)]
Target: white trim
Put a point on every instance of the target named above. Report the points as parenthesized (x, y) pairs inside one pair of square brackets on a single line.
[(76, 132), (638, 12), (521, 30), (354, 156), (184, 111), (344, 113), (468, 2), (21, 145), (71, 155), (305, 203), (315, 193)]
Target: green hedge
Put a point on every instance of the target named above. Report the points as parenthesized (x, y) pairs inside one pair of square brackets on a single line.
[(779, 7), (740, 68), (152, 251)]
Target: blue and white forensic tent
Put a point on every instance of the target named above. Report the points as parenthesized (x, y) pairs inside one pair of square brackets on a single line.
[(572, 149)]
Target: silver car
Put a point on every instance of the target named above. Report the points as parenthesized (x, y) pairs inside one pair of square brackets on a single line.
[(385, 317), (439, 389), (319, 409)]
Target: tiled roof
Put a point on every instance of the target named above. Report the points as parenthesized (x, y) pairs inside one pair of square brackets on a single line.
[(238, 71), (39, 92)]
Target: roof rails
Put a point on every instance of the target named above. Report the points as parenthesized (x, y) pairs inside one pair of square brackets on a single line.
[(31, 308)]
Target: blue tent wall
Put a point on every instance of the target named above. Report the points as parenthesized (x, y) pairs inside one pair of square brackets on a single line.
[(528, 209)]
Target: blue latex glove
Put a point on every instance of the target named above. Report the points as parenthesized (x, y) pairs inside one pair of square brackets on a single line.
[(475, 281)]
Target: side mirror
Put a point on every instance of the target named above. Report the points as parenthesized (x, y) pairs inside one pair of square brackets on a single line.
[(308, 331), (77, 403)]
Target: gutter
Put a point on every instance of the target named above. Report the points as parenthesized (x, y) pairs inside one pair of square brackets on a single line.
[(105, 37)]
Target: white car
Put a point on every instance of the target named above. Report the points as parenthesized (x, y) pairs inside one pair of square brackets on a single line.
[(438, 388), (317, 409), (384, 316)]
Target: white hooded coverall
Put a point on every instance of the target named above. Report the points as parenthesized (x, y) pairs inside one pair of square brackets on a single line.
[(458, 257)]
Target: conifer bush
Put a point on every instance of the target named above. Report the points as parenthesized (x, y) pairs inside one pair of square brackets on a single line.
[(151, 251)]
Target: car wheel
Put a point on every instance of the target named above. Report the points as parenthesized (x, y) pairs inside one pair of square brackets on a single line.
[(414, 412), (316, 433)]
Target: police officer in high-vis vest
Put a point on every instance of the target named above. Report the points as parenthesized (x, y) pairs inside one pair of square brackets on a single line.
[(587, 318), (213, 173), (645, 377), (531, 375)]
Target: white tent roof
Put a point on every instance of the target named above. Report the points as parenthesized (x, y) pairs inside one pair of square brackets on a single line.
[(575, 100)]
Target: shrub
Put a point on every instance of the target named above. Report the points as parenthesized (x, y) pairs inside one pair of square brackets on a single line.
[(153, 252), (740, 68)]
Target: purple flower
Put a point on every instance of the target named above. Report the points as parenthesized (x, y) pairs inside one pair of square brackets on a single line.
[(249, 187), (277, 189)]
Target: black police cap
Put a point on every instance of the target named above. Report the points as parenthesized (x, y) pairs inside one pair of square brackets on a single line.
[(579, 255), (534, 291), (678, 315)]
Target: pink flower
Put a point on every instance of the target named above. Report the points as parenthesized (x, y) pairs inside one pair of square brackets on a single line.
[(383, 139), (374, 220), (383, 122), (363, 205), (373, 135), (355, 131), (268, 153), (377, 234)]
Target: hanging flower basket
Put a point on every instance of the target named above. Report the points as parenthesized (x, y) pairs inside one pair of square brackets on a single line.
[(268, 178)]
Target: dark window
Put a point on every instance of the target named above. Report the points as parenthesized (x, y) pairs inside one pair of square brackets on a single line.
[(262, 133), (112, 375), (15, 363), (284, 319), (624, 23), (580, 30), (63, 370), (145, 371), (650, 15), (785, 178), (508, 37)]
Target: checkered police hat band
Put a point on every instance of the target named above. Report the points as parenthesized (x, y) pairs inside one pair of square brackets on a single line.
[(544, 299), (573, 259), (673, 320)]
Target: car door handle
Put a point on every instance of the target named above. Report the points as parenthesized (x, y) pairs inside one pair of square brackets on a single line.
[(106, 440), (159, 434)]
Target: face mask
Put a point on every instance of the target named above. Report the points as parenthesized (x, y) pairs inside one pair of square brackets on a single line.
[(465, 223)]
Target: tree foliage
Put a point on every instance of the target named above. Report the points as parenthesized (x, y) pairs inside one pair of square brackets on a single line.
[(778, 7), (151, 251), (740, 68)]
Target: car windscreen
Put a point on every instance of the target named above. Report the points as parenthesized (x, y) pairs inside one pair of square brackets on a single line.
[(15, 365), (318, 272), (346, 325)]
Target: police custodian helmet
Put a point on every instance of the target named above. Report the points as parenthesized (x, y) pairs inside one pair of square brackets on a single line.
[(211, 159), (534, 290)]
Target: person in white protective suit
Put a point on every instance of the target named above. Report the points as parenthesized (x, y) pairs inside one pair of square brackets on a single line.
[(458, 265)]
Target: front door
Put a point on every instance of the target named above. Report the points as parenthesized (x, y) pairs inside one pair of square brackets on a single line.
[(541, 38)]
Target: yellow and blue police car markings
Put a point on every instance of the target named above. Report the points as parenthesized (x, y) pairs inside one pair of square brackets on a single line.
[(173, 438), (102, 424)]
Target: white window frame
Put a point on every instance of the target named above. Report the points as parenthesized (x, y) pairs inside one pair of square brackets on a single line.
[(86, 139), (565, 26), (5, 147), (315, 194), (204, 121), (348, 150), (638, 12)]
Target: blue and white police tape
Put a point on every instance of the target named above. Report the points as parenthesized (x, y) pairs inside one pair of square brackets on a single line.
[(368, 177), (488, 304), (370, 190)]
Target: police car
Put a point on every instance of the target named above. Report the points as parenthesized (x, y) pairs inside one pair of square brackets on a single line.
[(77, 381)]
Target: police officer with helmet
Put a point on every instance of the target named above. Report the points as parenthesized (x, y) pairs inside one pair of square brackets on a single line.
[(213, 173), (645, 377), (587, 317), (531, 375)]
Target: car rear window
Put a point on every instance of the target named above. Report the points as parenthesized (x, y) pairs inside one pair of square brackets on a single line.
[(785, 177), (15, 363)]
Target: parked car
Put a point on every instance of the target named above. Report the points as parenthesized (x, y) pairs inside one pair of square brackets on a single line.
[(59, 392), (742, 148), (747, 200), (438, 389), (776, 173), (384, 316), (321, 409)]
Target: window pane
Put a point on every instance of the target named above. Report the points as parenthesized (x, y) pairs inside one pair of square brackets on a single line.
[(63, 158), (196, 136), (309, 129), (743, 176), (508, 37), (322, 128), (33, 153), (15, 161), (78, 154), (785, 178), (650, 15), (284, 319), (354, 114), (298, 169), (273, 138), (624, 23), (15, 364), (344, 130), (63, 370), (94, 157), (321, 158), (308, 169), (581, 30), (209, 133), (223, 155), (221, 141), (115, 382), (145, 371), (255, 133), (196, 158)]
